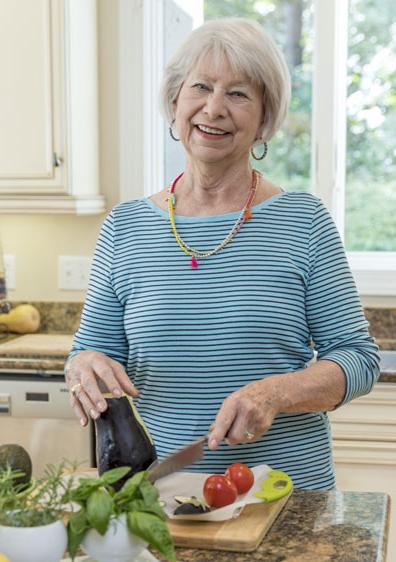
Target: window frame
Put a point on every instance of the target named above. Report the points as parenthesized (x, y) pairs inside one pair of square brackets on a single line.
[(375, 272)]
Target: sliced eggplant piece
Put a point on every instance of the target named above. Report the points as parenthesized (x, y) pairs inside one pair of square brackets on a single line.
[(190, 505)]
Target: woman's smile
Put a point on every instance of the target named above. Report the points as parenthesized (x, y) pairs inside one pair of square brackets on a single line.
[(212, 133)]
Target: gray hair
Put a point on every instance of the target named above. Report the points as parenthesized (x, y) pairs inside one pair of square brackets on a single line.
[(249, 51)]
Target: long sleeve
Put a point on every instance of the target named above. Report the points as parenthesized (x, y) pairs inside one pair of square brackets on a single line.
[(334, 313), (102, 320)]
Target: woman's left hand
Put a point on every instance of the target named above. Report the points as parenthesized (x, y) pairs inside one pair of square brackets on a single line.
[(246, 414)]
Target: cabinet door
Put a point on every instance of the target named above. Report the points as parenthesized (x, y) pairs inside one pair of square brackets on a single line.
[(368, 418), (49, 107), (30, 122)]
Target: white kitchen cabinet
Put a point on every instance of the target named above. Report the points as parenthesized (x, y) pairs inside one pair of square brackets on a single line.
[(364, 442), (49, 107)]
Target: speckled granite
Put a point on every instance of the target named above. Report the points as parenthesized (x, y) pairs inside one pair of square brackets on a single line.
[(386, 343), (6, 336), (317, 527), (382, 322), (33, 364), (388, 377), (58, 317)]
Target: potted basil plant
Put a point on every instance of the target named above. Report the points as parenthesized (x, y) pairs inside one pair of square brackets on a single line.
[(116, 526), (31, 519)]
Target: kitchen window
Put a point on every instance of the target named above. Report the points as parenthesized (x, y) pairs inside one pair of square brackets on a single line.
[(337, 141)]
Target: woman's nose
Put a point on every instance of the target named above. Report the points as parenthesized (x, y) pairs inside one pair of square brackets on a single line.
[(215, 105)]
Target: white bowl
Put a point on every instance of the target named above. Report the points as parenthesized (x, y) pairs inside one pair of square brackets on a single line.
[(116, 545), (46, 543)]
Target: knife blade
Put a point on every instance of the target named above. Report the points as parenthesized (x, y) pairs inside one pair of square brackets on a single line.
[(190, 453)]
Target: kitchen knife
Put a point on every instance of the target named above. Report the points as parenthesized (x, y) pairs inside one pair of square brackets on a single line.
[(190, 453)]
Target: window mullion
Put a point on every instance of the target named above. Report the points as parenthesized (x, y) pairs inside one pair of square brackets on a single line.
[(153, 132), (329, 105)]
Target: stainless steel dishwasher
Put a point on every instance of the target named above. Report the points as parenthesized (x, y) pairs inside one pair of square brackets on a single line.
[(35, 413)]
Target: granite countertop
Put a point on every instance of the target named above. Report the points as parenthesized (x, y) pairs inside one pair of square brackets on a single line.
[(317, 526)]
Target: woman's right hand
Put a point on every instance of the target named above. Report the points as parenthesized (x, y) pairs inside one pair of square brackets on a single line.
[(86, 372)]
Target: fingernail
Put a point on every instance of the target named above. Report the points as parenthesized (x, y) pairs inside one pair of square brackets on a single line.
[(93, 413), (212, 443), (117, 392), (101, 406), (82, 421)]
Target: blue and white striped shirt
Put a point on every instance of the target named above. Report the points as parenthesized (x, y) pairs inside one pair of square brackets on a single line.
[(190, 337)]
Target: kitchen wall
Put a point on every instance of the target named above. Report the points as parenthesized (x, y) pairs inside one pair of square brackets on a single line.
[(38, 240)]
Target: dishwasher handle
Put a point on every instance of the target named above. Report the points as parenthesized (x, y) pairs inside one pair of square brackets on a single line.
[(5, 404)]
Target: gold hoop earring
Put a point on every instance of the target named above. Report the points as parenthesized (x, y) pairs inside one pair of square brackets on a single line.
[(264, 154), (171, 132)]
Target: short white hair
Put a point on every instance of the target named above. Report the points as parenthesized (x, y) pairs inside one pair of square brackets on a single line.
[(249, 50)]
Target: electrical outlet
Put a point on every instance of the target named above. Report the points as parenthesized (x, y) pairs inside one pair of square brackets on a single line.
[(73, 272), (9, 266)]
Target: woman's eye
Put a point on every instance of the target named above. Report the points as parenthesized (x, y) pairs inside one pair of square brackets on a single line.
[(201, 87), (237, 94)]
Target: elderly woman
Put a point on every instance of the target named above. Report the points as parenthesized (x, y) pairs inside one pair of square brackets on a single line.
[(207, 300)]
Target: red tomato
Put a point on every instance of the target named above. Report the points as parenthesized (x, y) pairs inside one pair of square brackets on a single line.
[(219, 491), (241, 475)]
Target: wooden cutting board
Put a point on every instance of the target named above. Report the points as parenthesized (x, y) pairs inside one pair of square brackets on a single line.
[(38, 344), (242, 534)]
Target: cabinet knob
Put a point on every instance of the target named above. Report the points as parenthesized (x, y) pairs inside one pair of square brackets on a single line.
[(57, 160)]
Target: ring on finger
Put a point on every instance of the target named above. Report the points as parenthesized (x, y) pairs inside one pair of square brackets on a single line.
[(249, 435), (75, 389)]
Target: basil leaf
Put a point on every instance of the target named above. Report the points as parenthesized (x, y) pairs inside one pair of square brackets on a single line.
[(115, 474), (152, 529), (140, 505), (99, 509), (149, 492), (85, 489), (76, 529), (130, 487), (78, 521), (135, 480)]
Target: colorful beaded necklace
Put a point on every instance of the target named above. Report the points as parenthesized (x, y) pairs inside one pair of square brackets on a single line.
[(243, 217)]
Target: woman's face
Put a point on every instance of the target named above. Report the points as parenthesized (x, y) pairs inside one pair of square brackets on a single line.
[(218, 114)]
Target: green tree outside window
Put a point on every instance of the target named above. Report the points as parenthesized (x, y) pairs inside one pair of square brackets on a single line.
[(371, 109)]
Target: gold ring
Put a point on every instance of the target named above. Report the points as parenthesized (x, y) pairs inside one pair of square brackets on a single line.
[(75, 389), (249, 436)]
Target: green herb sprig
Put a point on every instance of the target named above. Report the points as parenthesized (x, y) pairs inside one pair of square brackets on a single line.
[(43, 502), (138, 499)]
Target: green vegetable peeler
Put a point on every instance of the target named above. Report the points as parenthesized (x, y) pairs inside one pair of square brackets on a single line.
[(277, 485)]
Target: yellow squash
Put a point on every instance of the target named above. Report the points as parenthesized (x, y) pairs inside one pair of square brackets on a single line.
[(23, 319)]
